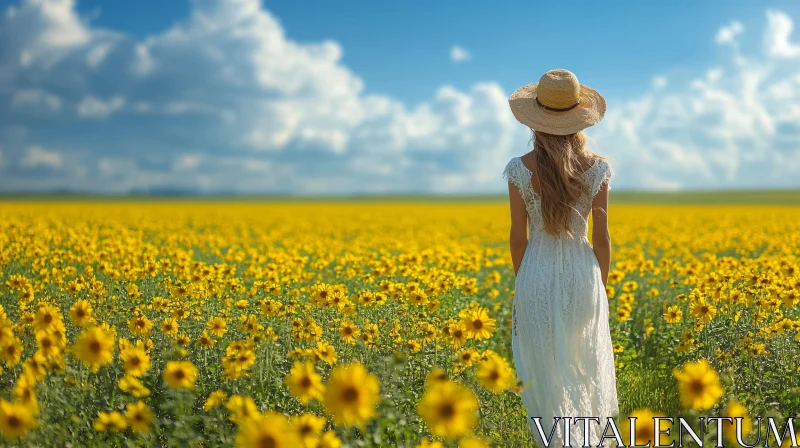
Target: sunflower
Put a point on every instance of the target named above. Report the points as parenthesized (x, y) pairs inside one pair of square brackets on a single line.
[(418, 298), (435, 377), (703, 311), (734, 410), (673, 315), (25, 394), (35, 367), (135, 361), (217, 326), (329, 440), (12, 352), (205, 340), (428, 443), (110, 421), (214, 399), (308, 428), (472, 442), (139, 416), (140, 325), (48, 345), (495, 374), (95, 347), (182, 340), (133, 386), (630, 286), (46, 316), (449, 409), (15, 419), (241, 408), (351, 394), (180, 374), (349, 332), (81, 313), (304, 383), (169, 326), (326, 352), (458, 334), (698, 385), (645, 428), (478, 324), (270, 429), (413, 345)]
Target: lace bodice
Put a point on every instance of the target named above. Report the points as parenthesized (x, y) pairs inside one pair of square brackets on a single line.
[(518, 174)]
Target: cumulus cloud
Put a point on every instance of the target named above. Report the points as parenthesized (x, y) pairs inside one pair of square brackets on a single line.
[(36, 156), (226, 93), (224, 101), (727, 34), (779, 31), (730, 126), (91, 107), (459, 54), (38, 99)]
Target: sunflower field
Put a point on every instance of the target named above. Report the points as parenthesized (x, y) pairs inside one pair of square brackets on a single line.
[(330, 324)]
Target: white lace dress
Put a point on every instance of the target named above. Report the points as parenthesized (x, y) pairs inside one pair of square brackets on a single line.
[(561, 340)]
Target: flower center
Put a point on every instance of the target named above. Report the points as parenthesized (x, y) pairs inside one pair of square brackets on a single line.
[(697, 386), (267, 441), (447, 410), (350, 394)]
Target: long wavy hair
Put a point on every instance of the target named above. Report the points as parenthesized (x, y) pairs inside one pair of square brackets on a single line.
[(557, 165)]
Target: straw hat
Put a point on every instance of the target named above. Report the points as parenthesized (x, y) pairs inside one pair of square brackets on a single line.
[(557, 104)]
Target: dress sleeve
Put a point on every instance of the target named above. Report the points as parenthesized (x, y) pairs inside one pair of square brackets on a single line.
[(513, 174), (604, 175)]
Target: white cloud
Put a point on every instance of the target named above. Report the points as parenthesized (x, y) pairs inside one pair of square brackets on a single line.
[(225, 97), (734, 126), (98, 54), (91, 107), (459, 54), (143, 63), (727, 34), (779, 31), (47, 29), (187, 162), (35, 98), (36, 156)]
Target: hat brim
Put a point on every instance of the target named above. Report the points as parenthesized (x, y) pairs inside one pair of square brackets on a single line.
[(590, 110)]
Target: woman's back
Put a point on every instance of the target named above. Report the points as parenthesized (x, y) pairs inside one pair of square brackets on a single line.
[(523, 177)]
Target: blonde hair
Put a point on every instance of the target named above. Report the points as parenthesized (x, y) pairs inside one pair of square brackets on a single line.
[(557, 166)]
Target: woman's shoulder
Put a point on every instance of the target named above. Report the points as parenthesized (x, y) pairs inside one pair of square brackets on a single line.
[(516, 172), (601, 163), (514, 164)]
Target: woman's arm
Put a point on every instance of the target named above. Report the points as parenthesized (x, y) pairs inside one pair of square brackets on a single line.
[(601, 239), (518, 238)]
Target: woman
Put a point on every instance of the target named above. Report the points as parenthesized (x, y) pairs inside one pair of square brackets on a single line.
[(561, 340)]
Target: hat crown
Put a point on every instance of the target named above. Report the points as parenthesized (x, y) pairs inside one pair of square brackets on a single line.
[(559, 88)]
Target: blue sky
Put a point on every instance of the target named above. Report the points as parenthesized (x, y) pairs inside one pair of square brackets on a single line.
[(361, 96)]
